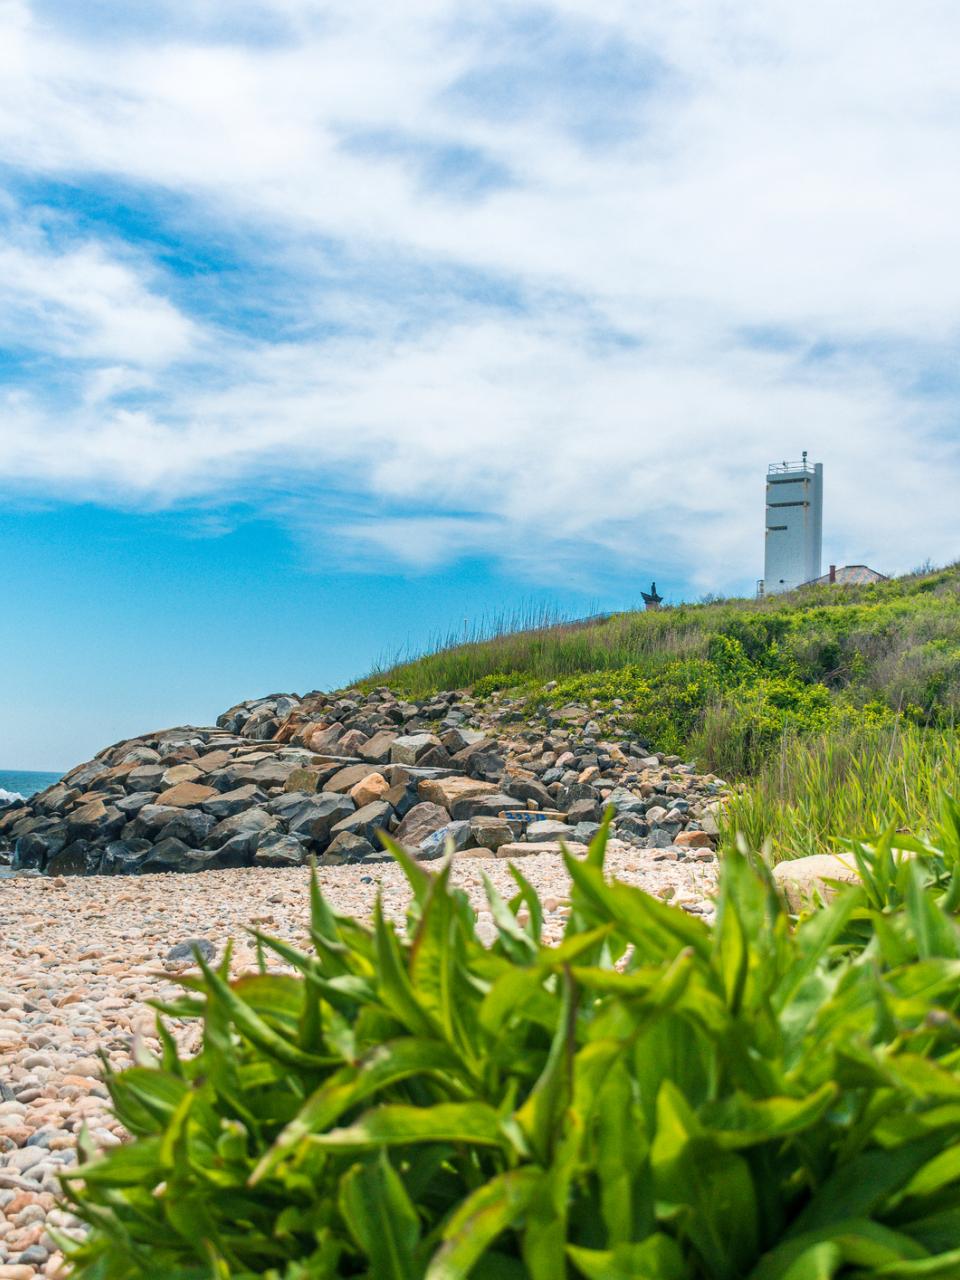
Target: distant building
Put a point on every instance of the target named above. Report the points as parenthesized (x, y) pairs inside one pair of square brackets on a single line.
[(794, 526), (848, 575), (651, 599)]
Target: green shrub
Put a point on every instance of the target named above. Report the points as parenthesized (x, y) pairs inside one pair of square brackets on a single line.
[(652, 1098)]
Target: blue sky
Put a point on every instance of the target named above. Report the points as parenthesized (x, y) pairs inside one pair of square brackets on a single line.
[(324, 326)]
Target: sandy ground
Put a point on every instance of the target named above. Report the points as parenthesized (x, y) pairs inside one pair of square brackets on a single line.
[(79, 957)]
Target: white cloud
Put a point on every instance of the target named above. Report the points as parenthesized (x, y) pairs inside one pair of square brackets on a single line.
[(786, 175)]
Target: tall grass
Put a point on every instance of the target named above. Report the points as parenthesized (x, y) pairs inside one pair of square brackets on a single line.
[(895, 642), (817, 789)]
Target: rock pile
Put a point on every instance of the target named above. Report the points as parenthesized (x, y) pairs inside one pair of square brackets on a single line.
[(281, 779)]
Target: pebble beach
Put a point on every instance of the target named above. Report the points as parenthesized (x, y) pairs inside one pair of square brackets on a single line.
[(80, 957)]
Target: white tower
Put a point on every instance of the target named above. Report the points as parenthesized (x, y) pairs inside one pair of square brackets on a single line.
[(794, 533)]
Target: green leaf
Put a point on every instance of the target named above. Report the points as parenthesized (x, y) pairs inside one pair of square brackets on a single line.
[(480, 1220), (395, 987), (656, 1258), (382, 1219), (251, 1025), (383, 1066), (473, 1123)]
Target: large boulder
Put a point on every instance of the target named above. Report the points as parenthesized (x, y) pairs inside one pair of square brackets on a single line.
[(490, 804), (529, 789), (377, 749), (190, 825), (447, 791), (80, 858), (179, 773), (806, 881), (366, 822), (125, 857), (454, 836), (279, 850), (242, 830), (224, 804), (422, 820), (184, 795), (174, 855), (344, 780), (315, 817), (411, 748)]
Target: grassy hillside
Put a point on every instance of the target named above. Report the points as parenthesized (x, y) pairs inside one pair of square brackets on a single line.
[(832, 702)]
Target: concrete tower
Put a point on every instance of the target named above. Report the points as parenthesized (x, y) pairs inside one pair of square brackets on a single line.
[(794, 533)]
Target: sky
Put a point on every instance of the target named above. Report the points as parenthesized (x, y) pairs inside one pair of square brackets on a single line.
[(330, 328)]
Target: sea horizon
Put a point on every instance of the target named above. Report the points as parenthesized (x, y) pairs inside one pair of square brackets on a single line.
[(20, 784)]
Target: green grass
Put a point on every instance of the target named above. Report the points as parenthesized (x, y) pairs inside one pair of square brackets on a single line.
[(896, 643), (815, 788), (837, 705)]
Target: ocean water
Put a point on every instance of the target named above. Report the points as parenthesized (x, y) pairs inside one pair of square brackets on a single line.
[(15, 784)]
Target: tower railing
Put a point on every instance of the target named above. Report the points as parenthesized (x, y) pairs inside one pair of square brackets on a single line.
[(785, 468)]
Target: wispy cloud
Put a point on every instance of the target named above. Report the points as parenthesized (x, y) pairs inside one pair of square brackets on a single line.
[(550, 285)]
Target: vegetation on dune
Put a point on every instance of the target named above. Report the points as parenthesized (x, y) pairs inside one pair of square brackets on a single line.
[(654, 1097), (837, 703)]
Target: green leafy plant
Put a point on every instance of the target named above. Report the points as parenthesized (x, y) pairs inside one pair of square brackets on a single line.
[(651, 1098)]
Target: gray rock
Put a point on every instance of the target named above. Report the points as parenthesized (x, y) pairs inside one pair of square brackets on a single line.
[(190, 825), (529, 789), (132, 804), (456, 834), (547, 831), (279, 850), (125, 857), (583, 811), (410, 748), (186, 950), (377, 749), (32, 851), (421, 821), (349, 847), (148, 777), (366, 822), (491, 805), (227, 803), (584, 832), (272, 773), (491, 833), (152, 818), (174, 855), (80, 858), (316, 816), (631, 824), (623, 801)]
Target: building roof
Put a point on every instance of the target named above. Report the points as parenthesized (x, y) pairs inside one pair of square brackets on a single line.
[(848, 575)]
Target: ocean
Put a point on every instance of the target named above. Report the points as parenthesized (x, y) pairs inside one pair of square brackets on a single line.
[(16, 784)]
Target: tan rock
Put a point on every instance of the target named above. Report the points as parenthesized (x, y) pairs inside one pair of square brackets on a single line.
[(349, 777), (373, 787), (445, 791), (322, 737), (693, 840), (180, 773), (551, 846), (213, 760), (805, 881), (88, 814), (185, 794)]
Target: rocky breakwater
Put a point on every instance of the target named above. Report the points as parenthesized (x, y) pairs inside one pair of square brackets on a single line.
[(281, 779)]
